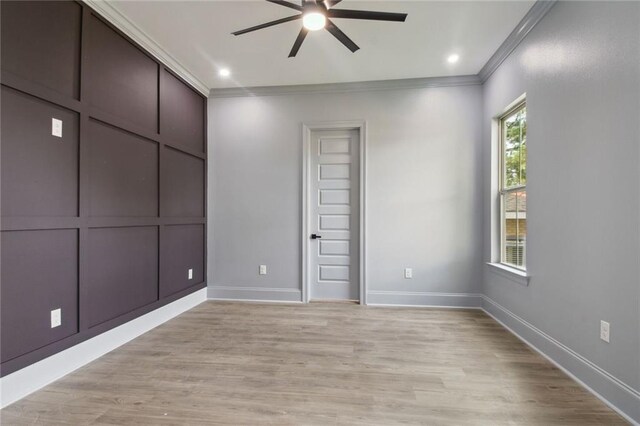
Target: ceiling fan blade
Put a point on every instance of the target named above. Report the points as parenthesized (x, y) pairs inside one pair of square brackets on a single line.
[(366, 14), (286, 4), (268, 24), (298, 42), (328, 4), (333, 29)]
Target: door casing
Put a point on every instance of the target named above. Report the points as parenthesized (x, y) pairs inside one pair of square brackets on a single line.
[(361, 127)]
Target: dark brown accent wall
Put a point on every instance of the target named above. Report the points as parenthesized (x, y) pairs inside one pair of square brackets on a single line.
[(106, 221)]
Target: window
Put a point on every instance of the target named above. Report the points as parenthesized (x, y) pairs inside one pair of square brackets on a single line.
[(513, 187)]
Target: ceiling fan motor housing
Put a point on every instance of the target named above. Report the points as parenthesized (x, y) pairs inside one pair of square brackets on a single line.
[(316, 15)]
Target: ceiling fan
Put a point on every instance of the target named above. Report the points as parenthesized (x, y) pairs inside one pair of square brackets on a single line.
[(315, 16)]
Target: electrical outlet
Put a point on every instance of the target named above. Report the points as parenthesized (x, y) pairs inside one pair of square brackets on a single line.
[(605, 329), (190, 274), (56, 318), (56, 127), (408, 273), (263, 269)]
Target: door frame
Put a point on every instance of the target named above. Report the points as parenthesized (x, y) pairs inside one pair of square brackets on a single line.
[(307, 128)]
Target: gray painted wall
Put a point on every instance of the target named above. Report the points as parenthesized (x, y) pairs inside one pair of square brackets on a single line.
[(423, 189), (431, 184), (580, 68)]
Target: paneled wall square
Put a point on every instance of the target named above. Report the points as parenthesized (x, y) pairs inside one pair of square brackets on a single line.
[(39, 170), (181, 113), (182, 184), (182, 249), (122, 80), (42, 269), (41, 43), (123, 173), (123, 271)]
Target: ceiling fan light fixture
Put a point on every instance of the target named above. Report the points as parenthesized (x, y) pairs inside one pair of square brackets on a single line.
[(315, 16), (314, 21)]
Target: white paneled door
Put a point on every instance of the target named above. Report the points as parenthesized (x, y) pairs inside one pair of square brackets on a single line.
[(334, 215)]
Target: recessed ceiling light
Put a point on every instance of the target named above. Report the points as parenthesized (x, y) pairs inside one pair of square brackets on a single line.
[(224, 72), (314, 21), (452, 59)]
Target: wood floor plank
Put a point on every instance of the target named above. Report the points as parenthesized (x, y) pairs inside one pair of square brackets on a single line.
[(228, 363)]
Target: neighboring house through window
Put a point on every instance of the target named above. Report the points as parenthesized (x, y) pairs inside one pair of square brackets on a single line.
[(513, 187)]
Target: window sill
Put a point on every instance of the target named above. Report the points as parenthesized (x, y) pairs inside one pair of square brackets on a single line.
[(513, 274)]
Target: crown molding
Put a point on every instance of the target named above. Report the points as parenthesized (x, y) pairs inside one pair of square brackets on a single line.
[(538, 11), (362, 86), (108, 11)]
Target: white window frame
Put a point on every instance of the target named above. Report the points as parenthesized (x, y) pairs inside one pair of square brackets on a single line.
[(503, 192)]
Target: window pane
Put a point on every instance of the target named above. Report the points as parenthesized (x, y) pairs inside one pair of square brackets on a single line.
[(514, 235), (514, 131)]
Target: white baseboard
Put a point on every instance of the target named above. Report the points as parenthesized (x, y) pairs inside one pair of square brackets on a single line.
[(21, 383), (424, 299), (254, 294), (618, 395), (374, 298)]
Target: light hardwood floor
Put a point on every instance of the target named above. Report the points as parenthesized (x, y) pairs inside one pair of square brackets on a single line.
[(324, 364)]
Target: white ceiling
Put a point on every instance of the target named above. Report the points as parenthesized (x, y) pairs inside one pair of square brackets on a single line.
[(198, 35)]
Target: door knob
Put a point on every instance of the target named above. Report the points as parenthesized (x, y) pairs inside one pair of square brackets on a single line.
[(315, 236)]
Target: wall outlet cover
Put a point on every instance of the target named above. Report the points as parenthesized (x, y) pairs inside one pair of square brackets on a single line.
[(190, 274), (263, 270), (56, 127), (605, 329), (56, 318), (408, 273)]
